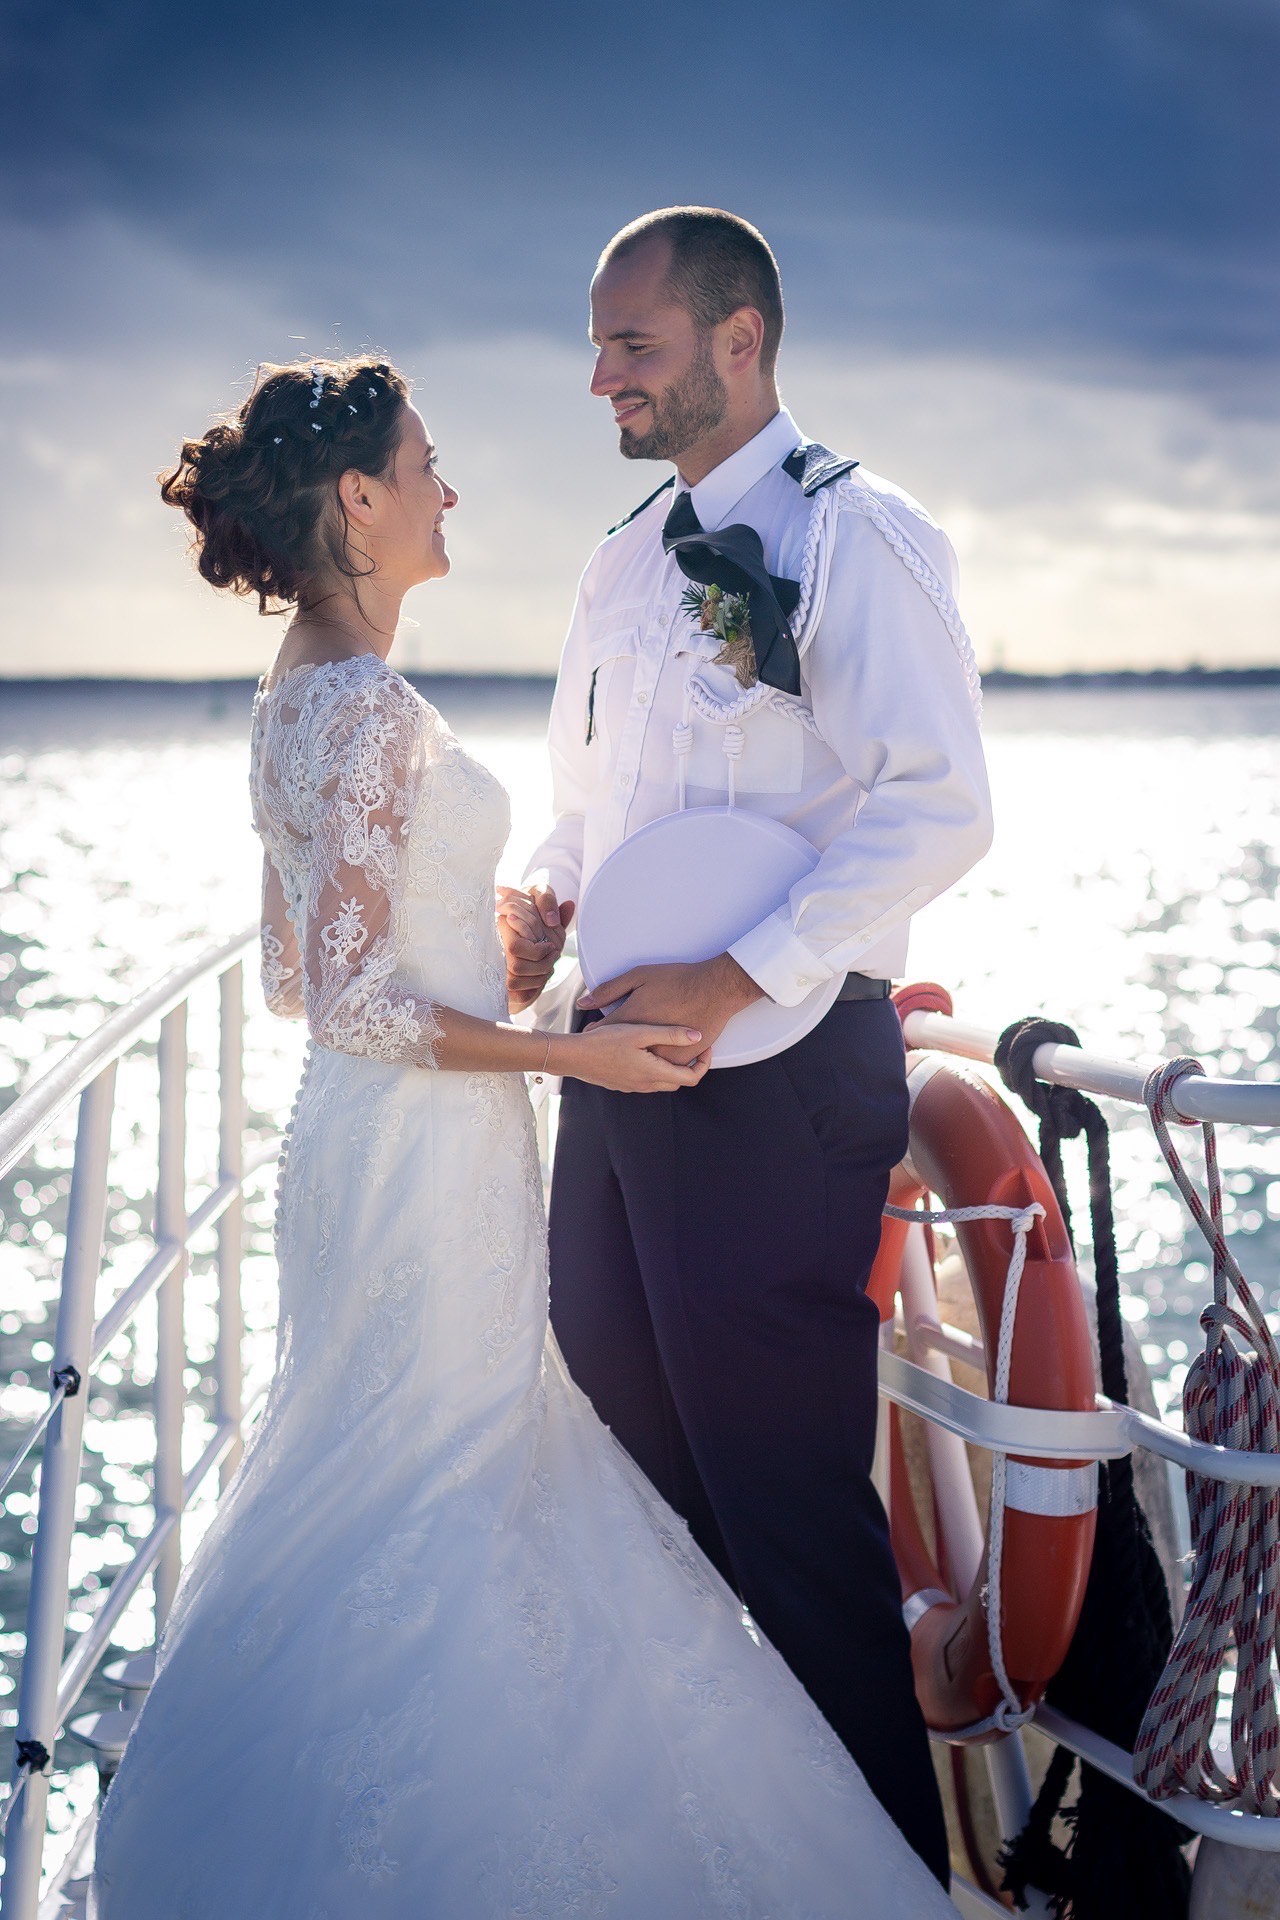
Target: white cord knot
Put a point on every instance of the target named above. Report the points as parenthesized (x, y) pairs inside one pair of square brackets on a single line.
[(734, 741), (1024, 1221), (1008, 1718), (682, 737)]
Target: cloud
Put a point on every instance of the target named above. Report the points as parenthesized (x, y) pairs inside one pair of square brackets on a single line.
[(1097, 524), (1072, 171), (1026, 246)]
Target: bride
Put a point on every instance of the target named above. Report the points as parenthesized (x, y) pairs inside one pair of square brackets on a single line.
[(443, 1651)]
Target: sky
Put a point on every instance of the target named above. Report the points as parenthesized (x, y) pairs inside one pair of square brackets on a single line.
[(1029, 251)]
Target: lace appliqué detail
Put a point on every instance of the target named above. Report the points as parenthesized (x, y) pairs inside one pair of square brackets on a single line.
[(368, 1766), (372, 1364), (827, 1758), (533, 1606), (375, 1131), (492, 1213), (275, 974), (708, 1691), (259, 1633), (564, 1874), (485, 1096), (337, 773), (389, 1589)]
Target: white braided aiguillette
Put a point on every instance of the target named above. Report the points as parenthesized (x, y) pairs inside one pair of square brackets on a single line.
[(856, 494)]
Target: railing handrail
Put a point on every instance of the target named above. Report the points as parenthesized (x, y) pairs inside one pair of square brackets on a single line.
[(22, 1123), (52, 1679), (88, 1070), (1052, 1433), (1200, 1097)]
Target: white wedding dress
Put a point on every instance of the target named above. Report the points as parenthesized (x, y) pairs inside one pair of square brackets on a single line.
[(444, 1654)]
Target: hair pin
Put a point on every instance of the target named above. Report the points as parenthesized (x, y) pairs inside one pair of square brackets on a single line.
[(315, 424), (317, 385), (350, 408), (278, 439)]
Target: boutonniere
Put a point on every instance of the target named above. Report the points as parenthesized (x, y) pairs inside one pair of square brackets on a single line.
[(728, 616)]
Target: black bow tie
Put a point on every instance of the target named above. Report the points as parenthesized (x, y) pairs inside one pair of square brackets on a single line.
[(734, 559)]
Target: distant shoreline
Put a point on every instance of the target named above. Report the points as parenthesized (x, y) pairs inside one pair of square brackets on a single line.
[(995, 679), (1138, 677)]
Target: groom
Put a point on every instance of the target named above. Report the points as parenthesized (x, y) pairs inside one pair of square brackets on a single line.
[(710, 1250)]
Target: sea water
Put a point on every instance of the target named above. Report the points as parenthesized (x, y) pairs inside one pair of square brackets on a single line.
[(1132, 891)]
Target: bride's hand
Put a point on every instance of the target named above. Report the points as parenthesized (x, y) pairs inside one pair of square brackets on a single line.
[(531, 927), (618, 1056)]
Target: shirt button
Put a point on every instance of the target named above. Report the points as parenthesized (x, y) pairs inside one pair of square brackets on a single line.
[(624, 779), (642, 699)]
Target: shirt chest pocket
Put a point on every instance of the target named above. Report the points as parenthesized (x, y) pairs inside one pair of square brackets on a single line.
[(771, 760), (611, 664)]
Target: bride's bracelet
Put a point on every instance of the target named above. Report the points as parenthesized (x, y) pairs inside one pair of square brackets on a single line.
[(538, 1076)]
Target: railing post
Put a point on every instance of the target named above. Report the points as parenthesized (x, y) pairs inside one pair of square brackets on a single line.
[(230, 1400), (171, 1355), (59, 1479)]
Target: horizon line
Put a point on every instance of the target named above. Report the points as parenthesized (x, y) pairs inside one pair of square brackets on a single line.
[(994, 677)]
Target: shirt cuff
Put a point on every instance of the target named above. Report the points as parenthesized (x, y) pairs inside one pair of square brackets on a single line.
[(778, 960)]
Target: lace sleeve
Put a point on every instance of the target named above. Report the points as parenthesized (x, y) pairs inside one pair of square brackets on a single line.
[(371, 765), (281, 967)]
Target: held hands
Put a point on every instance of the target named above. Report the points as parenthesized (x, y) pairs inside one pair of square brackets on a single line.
[(660, 1022), (629, 1058), (705, 994), (532, 928)]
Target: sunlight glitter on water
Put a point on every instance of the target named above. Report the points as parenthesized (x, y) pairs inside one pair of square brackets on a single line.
[(1132, 891)]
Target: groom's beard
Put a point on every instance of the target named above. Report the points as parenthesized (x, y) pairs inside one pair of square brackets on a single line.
[(692, 406)]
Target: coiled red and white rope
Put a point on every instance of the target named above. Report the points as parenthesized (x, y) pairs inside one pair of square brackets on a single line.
[(1229, 1400)]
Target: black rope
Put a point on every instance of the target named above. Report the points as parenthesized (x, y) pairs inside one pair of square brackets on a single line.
[(1124, 1855), (33, 1754)]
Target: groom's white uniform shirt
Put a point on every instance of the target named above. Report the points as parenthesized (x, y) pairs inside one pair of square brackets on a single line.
[(887, 781)]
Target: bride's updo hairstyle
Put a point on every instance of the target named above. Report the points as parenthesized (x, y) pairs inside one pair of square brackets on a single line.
[(261, 487)]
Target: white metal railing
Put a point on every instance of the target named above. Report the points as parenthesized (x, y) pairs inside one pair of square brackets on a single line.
[(920, 1382), (51, 1684), (1251, 1103)]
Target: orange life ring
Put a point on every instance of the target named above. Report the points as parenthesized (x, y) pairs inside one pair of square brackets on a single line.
[(969, 1149)]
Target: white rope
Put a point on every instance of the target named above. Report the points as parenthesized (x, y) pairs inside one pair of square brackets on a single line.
[(1010, 1713), (720, 712), (818, 515), (682, 747), (856, 494), (732, 744), (827, 502)]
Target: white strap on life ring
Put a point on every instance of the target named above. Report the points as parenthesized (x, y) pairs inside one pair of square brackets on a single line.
[(1010, 1712), (1059, 1493)]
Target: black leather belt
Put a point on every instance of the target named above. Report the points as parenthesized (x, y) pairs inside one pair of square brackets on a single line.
[(860, 986)]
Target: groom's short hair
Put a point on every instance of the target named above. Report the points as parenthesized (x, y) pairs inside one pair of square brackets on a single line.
[(719, 262)]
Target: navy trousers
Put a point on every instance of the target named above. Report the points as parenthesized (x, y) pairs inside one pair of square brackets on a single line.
[(710, 1251)]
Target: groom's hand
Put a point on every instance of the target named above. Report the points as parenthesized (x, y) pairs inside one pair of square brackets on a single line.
[(702, 993), (532, 928)]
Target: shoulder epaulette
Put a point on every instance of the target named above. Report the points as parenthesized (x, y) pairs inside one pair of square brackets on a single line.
[(637, 511), (814, 466)]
